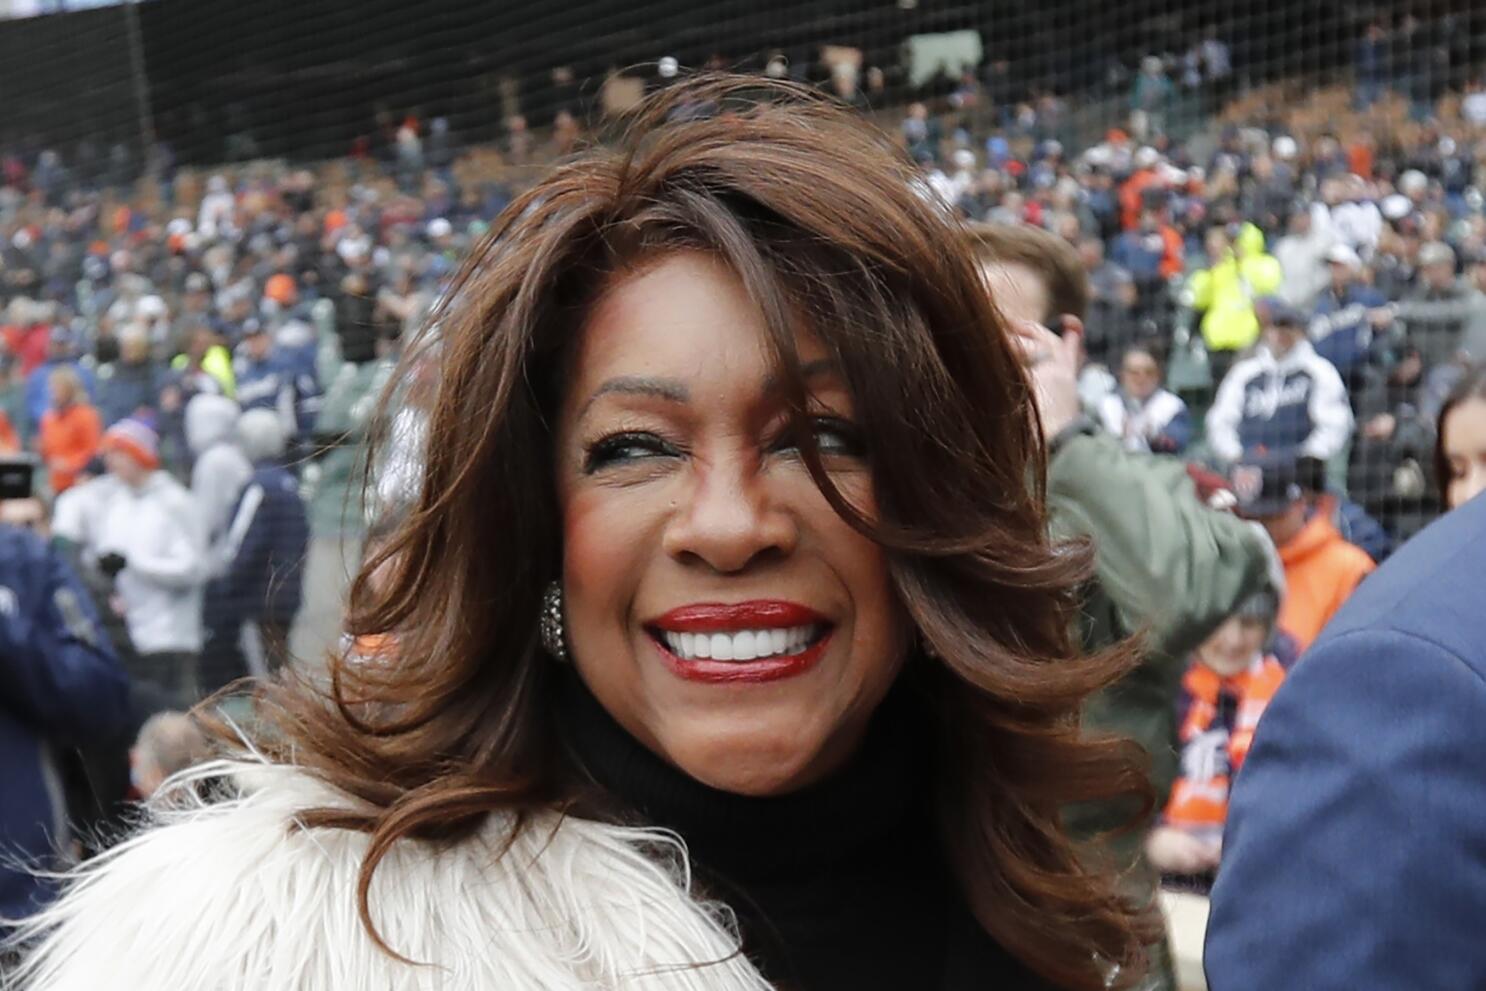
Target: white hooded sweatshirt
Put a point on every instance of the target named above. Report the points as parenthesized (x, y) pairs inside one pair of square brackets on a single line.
[(221, 470), (158, 531)]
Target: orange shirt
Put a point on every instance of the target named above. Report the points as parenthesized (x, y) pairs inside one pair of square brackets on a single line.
[(1213, 750), (1130, 197), (9, 442), (1321, 570), (1172, 263), (69, 439)]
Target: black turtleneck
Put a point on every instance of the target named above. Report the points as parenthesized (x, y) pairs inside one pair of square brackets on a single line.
[(839, 885)]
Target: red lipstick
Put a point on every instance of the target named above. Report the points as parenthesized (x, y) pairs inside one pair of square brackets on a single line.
[(718, 617), (760, 614)]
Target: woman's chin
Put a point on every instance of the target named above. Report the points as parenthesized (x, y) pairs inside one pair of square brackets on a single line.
[(749, 764)]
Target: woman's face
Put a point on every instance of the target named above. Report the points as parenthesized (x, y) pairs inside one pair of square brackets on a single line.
[(1464, 441), (716, 605)]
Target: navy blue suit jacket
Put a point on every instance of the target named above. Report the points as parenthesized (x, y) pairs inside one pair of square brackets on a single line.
[(1355, 853)]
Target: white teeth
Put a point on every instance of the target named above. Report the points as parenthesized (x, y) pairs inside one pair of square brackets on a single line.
[(744, 645)]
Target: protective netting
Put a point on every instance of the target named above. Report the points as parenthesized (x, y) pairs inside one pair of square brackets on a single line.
[(198, 199), (220, 222), (255, 203)]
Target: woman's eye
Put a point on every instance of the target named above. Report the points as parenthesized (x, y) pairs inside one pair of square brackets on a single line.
[(625, 448), (833, 436)]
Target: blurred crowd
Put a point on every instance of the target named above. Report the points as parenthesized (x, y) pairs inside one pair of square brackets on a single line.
[(1289, 299)]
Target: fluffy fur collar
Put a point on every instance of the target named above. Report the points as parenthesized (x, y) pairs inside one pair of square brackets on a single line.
[(227, 897)]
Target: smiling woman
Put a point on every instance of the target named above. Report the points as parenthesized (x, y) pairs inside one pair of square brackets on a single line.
[(731, 526)]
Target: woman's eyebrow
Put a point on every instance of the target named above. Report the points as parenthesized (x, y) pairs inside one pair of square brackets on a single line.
[(670, 390), (809, 370)]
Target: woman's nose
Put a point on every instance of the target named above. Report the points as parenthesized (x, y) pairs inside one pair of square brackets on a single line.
[(731, 517)]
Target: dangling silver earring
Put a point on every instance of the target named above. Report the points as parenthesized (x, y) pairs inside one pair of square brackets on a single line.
[(549, 624)]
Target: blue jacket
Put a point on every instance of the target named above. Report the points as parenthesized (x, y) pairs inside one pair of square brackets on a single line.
[(124, 389), (1340, 330), (1297, 403), (1140, 252), (1355, 853), (284, 382), (266, 545), (263, 384), (59, 684)]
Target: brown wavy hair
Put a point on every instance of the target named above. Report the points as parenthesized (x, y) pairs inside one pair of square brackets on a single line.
[(826, 224)]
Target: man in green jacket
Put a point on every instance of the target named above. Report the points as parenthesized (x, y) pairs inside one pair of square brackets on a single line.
[(1167, 567)]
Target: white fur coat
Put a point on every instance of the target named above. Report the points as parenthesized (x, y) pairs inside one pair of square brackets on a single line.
[(229, 897)]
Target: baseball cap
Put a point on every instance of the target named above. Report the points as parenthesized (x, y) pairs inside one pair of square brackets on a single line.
[(1436, 253), (135, 438), (1396, 206), (1276, 311), (1265, 485), (281, 289), (1341, 254)]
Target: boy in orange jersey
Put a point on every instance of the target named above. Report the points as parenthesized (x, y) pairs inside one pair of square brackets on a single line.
[(1227, 686)]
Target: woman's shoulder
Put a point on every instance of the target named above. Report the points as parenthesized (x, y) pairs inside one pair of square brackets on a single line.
[(203, 885), (239, 894)]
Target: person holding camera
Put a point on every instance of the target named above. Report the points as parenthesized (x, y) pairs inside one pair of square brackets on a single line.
[(60, 685), (152, 543)]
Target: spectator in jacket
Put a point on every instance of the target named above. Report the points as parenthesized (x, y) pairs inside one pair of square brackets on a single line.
[(1285, 398), (60, 685), (1105, 277), (252, 605), (1231, 679), (10, 441), (183, 383), (152, 541), (219, 470), (130, 385), (1303, 254), (1460, 452), (60, 351), (1238, 273), (1348, 313), (1141, 413), (1353, 853), (1321, 569), (1442, 311), (1151, 251), (1164, 562), (1352, 520), (70, 429), (1116, 322), (264, 380), (1396, 414)]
